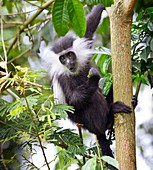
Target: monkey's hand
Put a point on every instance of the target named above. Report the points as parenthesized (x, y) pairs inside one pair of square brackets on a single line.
[(134, 101), (93, 72), (94, 76)]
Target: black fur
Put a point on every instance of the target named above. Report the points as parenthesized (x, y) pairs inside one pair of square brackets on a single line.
[(62, 44), (91, 108), (93, 21)]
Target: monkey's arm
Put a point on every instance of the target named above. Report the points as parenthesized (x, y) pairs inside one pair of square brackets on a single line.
[(82, 94), (93, 20)]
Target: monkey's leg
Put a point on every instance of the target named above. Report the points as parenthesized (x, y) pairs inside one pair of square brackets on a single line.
[(105, 147)]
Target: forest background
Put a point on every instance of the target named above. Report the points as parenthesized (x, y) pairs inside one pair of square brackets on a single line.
[(29, 120)]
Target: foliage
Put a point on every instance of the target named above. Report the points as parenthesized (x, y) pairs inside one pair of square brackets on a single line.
[(66, 11), (30, 116), (142, 46)]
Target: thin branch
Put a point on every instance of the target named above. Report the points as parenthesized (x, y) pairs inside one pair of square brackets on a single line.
[(138, 89), (30, 162), (2, 123), (18, 13), (34, 84), (81, 137), (47, 4), (129, 7), (20, 55), (3, 44), (98, 150), (3, 161), (32, 4), (13, 94)]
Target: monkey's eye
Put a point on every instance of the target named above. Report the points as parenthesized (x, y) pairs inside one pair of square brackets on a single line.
[(71, 55), (62, 59)]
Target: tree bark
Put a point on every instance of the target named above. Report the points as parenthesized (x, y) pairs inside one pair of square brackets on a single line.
[(121, 20)]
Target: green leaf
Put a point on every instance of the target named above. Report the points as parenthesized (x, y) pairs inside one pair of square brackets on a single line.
[(103, 50), (104, 26), (144, 54), (105, 63), (106, 3), (9, 6), (151, 44), (105, 84), (136, 65), (32, 101), (77, 17), (90, 164), (111, 161), (60, 17), (150, 26), (62, 110), (16, 112)]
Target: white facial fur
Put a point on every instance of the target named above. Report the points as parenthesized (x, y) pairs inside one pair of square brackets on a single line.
[(81, 47), (53, 65)]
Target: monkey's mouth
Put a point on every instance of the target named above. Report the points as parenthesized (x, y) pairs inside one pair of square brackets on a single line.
[(72, 69)]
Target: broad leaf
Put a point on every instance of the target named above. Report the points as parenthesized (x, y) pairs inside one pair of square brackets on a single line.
[(90, 164), (111, 161), (60, 17), (144, 54), (77, 17), (151, 44)]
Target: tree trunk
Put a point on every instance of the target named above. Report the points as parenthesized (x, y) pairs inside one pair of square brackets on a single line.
[(121, 21)]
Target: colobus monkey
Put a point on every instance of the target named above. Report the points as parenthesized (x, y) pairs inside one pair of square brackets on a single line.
[(68, 64)]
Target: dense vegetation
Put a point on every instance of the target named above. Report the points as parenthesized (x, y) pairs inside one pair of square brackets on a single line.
[(28, 115)]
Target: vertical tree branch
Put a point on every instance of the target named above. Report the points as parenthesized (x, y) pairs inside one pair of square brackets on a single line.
[(122, 84), (128, 6)]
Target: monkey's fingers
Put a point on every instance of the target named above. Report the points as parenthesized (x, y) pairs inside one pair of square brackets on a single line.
[(134, 101), (93, 72)]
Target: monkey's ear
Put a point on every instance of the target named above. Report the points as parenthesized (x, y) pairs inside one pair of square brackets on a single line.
[(93, 20)]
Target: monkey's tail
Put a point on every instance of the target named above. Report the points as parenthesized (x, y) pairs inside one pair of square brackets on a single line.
[(105, 148)]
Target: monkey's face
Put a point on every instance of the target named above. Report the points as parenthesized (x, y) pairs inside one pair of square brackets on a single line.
[(69, 60)]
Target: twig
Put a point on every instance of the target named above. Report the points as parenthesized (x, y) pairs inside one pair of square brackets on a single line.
[(2, 156), (30, 162), (32, 4), (18, 13), (3, 44), (2, 123), (138, 89), (20, 55), (13, 94), (98, 150), (34, 84), (81, 137), (27, 23)]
